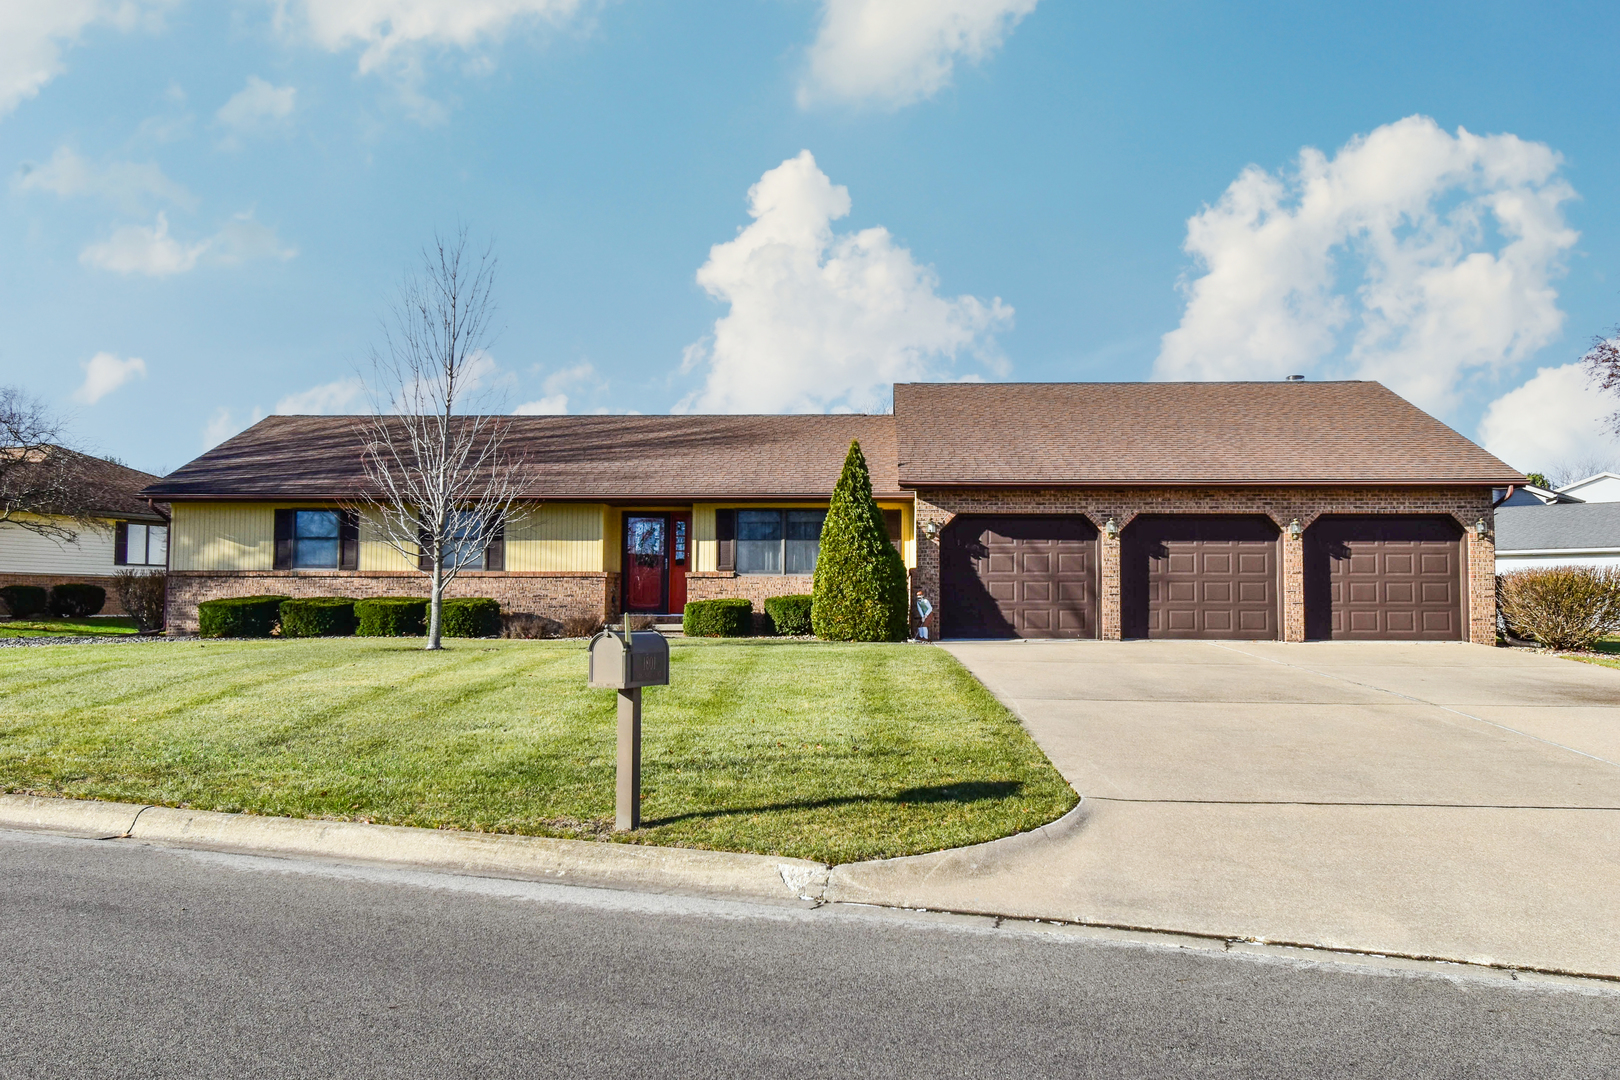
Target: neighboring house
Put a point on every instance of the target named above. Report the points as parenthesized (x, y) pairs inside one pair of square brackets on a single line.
[(126, 531), (1603, 487), (1578, 534), (1192, 510), (1535, 495)]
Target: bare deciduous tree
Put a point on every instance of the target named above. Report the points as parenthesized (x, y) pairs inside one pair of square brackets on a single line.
[(442, 479), (43, 484), (1603, 368)]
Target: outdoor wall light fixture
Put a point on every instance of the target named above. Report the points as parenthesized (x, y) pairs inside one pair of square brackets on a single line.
[(1111, 529), (931, 530), (1294, 530), (1479, 528)]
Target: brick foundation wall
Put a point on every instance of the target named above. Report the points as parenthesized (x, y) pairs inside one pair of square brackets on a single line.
[(1281, 504), (721, 584), (45, 581), (553, 595)]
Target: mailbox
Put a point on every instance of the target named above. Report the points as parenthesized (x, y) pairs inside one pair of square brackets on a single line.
[(644, 663)]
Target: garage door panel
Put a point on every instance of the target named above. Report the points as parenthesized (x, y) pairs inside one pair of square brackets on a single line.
[(1394, 577), (1198, 576), (1018, 576)]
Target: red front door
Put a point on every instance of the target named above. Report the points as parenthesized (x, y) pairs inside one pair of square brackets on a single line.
[(680, 560), (646, 562)]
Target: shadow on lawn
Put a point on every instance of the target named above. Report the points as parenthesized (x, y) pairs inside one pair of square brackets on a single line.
[(967, 792)]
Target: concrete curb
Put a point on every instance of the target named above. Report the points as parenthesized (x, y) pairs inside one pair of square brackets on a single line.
[(898, 881), (576, 862)]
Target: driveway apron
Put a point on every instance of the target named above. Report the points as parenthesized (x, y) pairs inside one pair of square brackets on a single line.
[(1438, 800)]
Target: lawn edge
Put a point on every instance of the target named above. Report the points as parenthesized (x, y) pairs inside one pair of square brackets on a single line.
[(638, 867)]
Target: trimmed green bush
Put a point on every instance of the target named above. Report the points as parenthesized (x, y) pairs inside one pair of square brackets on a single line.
[(731, 617), (23, 600), (470, 616), (317, 616), (860, 585), (73, 600), (391, 616), (239, 616), (789, 615)]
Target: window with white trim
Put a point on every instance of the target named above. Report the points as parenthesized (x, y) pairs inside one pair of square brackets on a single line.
[(778, 541)]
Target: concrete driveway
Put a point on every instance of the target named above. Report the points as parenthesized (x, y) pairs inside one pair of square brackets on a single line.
[(1451, 801)]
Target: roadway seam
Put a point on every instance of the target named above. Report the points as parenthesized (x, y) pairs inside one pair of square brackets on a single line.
[(1332, 802)]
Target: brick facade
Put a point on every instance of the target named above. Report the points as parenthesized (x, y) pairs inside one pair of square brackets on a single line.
[(720, 584), (1282, 505), (553, 595), (45, 581)]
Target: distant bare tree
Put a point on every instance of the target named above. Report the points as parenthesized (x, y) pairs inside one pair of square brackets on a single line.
[(1603, 368), (1569, 471), (442, 481), (44, 487)]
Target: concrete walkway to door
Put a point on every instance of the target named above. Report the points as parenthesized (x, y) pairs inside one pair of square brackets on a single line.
[(1451, 801)]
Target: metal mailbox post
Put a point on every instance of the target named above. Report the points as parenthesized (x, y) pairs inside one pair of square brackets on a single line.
[(626, 661)]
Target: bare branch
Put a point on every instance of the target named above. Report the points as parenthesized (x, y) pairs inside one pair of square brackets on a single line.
[(45, 487), (1602, 362), (442, 482)]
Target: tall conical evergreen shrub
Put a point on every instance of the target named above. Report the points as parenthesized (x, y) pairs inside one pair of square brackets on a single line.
[(860, 589)]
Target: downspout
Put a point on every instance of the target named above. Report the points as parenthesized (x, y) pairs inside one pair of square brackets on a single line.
[(1511, 489)]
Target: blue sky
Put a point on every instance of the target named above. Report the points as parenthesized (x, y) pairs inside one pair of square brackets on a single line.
[(228, 193)]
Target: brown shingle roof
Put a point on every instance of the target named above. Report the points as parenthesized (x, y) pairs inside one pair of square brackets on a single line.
[(568, 457), (1181, 433), (102, 488)]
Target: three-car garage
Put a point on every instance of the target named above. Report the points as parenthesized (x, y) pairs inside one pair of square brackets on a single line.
[(1214, 576)]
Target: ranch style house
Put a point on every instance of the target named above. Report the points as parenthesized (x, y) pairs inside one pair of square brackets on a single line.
[(1259, 510)]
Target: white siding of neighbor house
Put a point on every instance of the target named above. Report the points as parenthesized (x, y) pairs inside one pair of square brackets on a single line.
[(24, 552), (1605, 487), (1510, 561)]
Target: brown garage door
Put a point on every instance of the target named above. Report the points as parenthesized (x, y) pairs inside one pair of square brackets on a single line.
[(1200, 577), (1027, 577), (1384, 579)]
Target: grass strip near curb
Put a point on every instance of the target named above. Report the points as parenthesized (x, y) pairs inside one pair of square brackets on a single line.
[(824, 751), (99, 626), (1605, 653)]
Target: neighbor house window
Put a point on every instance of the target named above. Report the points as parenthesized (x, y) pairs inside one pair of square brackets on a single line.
[(315, 540), (778, 541), (461, 547), (141, 545)]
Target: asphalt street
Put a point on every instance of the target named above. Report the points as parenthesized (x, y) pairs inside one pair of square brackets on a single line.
[(127, 960)]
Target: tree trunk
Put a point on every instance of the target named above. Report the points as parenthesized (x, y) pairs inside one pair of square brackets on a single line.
[(435, 605)]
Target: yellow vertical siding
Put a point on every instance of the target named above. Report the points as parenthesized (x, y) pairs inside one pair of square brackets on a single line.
[(557, 537), (705, 550), (375, 554), (222, 536)]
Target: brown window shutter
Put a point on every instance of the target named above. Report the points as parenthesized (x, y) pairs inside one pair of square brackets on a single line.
[(424, 560), (495, 552), (891, 522), (121, 544), (725, 532), (284, 539), (348, 540)]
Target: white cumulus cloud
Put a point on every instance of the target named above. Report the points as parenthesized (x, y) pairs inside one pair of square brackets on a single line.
[(342, 396), (137, 249), (104, 373), (1557, 417), (385, 29), (257, 105), (551, 405), (34, 34), (129, 184), (821, 320), (555, 401), (895, 52), (1412, 256)]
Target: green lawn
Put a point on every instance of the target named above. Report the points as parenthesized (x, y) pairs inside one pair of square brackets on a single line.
[(1605, 652), (819, 750), (99, 626)]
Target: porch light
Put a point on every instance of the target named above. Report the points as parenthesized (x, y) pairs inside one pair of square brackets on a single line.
[(1111, 529), (1294, 530), (1479, 528), (931, 530)]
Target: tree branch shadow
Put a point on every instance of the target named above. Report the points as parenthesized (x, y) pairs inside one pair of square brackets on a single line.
[(967, 791)]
